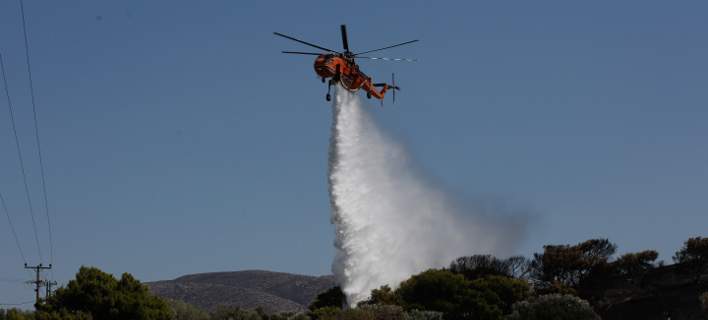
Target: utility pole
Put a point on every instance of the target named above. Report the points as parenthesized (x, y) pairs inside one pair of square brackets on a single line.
[(49, 284), (37, 281)]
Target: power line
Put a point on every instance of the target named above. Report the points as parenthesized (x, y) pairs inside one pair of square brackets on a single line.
[(36, 131), (16, 304), (12, 228), (19, 155)]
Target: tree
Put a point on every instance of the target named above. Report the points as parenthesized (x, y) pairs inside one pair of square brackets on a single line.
[(378, 312), (633, 264), (326, 313), (185, 311), (234, 313), (15, 314), (422, 315), (694, 249), (477, 266), (102, 296), (553, 306), (449, 293), (333, 297), (694, 256), (62, 315), (382, 296), (568, 265), (508, 290)]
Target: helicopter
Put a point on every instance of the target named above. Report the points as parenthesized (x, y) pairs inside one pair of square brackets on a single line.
[(341, 67)]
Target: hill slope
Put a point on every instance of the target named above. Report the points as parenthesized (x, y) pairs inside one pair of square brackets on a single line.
[(272, 291)]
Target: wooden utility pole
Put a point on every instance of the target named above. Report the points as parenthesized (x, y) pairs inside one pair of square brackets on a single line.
[(37, 281), (49, 284)]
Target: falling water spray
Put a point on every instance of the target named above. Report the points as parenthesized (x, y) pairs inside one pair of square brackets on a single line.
[(390, 221)]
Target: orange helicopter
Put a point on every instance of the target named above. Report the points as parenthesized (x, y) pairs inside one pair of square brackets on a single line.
[(341, 67)]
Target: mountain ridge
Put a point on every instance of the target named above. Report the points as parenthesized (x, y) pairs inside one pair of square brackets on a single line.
[(272, 291)]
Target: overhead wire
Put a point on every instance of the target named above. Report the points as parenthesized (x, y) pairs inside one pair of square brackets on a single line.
[(17, 304), (36, 131), (19, 156), (12, 228)]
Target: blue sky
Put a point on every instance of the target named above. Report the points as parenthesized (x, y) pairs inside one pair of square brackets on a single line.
[(178, 138)]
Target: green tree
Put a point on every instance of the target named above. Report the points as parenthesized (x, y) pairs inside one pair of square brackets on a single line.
[(477, 266), (325, 313), (449, 293), (422, 315), (374, 312), (333, 297), (694, 249), (566, 265), (633, 264), (694, 256), (553, 306), (185, 311), (382, 296), (104, 297), (62, 315), (15, 314), (507, 290), (234, 313)]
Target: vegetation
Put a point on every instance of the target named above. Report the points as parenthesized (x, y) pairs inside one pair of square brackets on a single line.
[(333, 297), (634, 264), (14, 314), (694, 256), (568, 266), (104, 297), (477, 266), (553, 306), (694, 250), (383, 296), (184, 311), (562, 282)]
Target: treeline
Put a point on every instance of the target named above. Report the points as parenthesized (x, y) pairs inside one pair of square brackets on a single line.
[(562, 282)]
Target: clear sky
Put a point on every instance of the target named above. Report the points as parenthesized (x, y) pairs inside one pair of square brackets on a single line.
[(178, 139)]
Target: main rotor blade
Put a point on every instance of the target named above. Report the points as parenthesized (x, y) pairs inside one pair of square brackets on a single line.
[(345, 42), (303, 42), (389, 47), (388, 59), (300, 52)]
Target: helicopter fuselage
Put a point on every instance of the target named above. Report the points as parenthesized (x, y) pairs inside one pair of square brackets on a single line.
[(340, 69), (344, 70)]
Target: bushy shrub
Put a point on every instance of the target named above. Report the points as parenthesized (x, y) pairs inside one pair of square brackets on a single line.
[(61, 315), (422, 315), (553, 306), (185, 311), (15, 314), (325, 313), (235, 313)]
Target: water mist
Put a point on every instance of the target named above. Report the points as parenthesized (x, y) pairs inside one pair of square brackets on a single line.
[(390, 221)]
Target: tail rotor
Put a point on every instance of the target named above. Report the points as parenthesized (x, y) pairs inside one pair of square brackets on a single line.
[(394, 86)]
